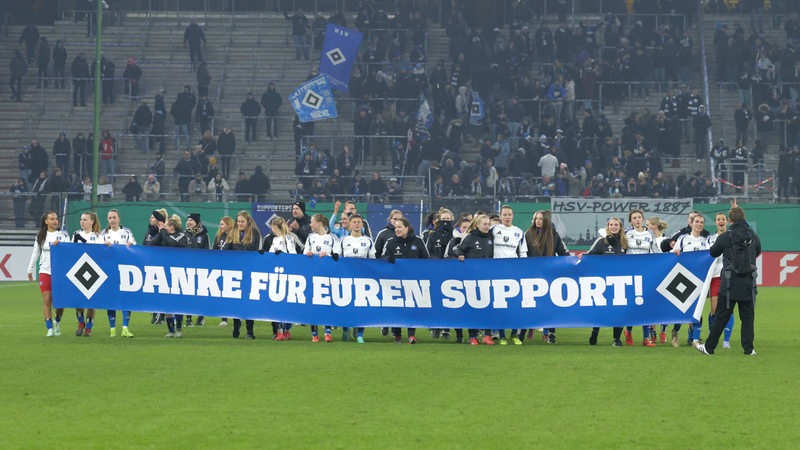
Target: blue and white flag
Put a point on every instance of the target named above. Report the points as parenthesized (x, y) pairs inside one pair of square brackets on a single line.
[(609, 290), (339, 52), (313, 100), (424, 114), (477, 111)]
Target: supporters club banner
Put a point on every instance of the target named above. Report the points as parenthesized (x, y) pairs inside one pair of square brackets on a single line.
[(501, 293), (339, 52), (578, 219), (313, 100)]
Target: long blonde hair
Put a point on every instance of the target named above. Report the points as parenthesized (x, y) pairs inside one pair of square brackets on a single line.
[(175, 222), (95, 221), (623, 241), (279, 224), (249, 236), (476, 221), (229, 224)]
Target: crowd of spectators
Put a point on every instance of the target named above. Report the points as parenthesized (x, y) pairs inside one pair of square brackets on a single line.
[(544, 86)]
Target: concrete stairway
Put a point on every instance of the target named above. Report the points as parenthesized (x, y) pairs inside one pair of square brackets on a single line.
[(244, 53), (724, 102)]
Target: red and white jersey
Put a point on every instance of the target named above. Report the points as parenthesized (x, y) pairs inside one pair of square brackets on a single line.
[(121, 236), (356, 247), (41, 253)]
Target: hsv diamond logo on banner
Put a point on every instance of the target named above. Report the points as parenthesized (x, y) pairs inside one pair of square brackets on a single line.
[(87, 276), (313, 100), (681, 287), (339, 52)]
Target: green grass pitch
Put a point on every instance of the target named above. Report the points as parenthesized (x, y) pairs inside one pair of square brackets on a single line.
[(208, 390)]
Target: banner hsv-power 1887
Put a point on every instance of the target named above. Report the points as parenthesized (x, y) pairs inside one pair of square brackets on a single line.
[(489, 293)]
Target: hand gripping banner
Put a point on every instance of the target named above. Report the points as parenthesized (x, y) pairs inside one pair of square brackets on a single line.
[(488, 293)]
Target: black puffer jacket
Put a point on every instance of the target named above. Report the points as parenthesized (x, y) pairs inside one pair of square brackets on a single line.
[(735, 286), (410, 246), (197, 237), (609, 245), (475, 245)]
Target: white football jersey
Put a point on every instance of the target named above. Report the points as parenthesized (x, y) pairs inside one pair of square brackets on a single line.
[(41, 253), (640, 242), (509, 242), (282, 243), (121, 236), (717, 266), (356, 247), (689, 243), (90, 238), (320, 243)]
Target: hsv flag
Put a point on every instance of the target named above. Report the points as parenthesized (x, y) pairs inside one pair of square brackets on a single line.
[(339, 52), (313, 100)]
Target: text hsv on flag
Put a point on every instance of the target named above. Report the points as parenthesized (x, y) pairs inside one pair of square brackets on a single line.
[(314, 100), (608, 290), (339, 52)]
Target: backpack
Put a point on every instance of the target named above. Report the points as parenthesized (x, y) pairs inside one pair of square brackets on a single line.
[(743, 254)]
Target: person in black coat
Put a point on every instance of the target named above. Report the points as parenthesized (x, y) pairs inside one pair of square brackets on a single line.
[(204, 113), (701, 124), (181, 111), (737, 284), (39, 160), (259, 184), (19, 190), (441, 234), (132, 74), (59, 64), (388, 231), (173, 236), (80, 154), (80, 78), (300, 223), (203, 79), (226, 146), (62, 150), (18, 68), (405, 244), (193, 37), (44, 61), (159, 120), (133, 190), (271, 101), (196, 237), (613, 243), (185, 171), (245, 236), (142, 121), (299, 27), (478, 243), (250, 109), (30, 35)]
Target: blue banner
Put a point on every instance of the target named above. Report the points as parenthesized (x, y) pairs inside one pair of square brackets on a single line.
[(424, 114), (313, 100), (500, 293), (477, 111), (339, 52)]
